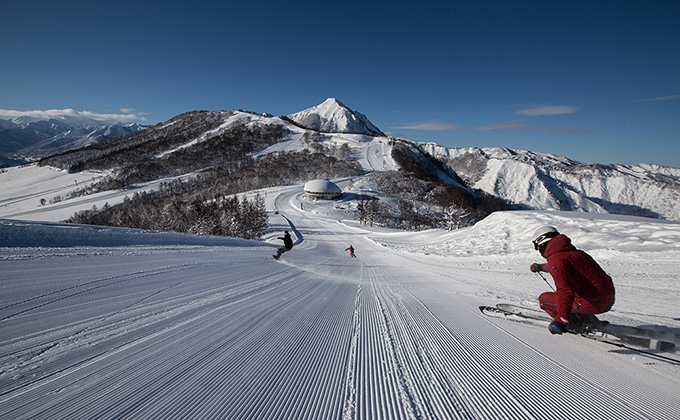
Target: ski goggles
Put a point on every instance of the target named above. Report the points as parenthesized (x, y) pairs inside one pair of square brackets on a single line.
[(543, 239)]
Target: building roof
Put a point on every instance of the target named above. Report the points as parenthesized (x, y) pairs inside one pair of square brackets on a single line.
[(322, 186)]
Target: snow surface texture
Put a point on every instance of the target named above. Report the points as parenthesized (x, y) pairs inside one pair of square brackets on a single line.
[(116, 323)]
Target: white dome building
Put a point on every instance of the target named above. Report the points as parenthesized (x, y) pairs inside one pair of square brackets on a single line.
[(322, 189)]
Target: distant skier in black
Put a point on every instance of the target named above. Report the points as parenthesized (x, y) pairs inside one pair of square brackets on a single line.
[(287, 245), (351, 251)]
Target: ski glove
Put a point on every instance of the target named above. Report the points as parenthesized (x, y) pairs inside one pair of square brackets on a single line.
[(557, 327), (535, 268)]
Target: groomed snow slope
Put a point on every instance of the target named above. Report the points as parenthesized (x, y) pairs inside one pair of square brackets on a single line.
[(113, 323)]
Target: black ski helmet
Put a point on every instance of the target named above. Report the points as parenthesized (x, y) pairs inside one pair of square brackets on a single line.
[(542, 236)]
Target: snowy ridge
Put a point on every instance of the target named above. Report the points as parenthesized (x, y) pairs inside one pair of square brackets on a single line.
[(543, 181), (229, 118), (73, 121), (332, 116)]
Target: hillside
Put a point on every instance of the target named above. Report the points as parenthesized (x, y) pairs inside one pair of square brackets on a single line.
[(535, 180), (231, 152)]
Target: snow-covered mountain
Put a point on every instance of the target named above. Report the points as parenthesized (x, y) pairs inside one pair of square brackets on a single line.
[(332, 116), (529, 179), (25, 139), (543, 181), (525, 179)]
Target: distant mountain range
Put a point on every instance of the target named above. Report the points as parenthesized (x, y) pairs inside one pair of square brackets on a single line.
[(524, 179), (26, 139)]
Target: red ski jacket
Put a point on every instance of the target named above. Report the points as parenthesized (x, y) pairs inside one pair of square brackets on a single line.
[(576, 274)]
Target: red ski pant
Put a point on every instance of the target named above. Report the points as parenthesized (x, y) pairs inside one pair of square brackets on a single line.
[(598, 305)]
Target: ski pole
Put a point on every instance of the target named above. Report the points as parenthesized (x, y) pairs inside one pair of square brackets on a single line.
[(546, 281)]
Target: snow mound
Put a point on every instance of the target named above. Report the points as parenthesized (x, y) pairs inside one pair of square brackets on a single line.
[(509, 233)]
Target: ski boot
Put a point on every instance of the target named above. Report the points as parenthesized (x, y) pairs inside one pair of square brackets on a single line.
[(584, 323)]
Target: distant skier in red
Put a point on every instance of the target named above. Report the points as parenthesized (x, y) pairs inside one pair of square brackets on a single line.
[(351, 251), (583, 287)]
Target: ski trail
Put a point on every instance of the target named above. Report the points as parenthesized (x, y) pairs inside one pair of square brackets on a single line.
[(350, 403), (612, 402), (96, 338), (428, 373), (505, 364)]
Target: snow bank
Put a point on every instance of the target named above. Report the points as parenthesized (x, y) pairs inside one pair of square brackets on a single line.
[(510, 232), (42, 234)]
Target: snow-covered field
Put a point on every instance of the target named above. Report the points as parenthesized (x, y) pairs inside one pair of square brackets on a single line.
[(99, 323)]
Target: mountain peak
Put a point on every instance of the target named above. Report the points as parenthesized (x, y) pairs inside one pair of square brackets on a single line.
[(332, 116), (331, 102)]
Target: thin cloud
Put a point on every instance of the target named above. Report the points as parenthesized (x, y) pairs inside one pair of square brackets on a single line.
[(660, 98), (126, 117), (432, 125), (548, 110), (516, 125), (522, 126), (505, 125), (562, 130)]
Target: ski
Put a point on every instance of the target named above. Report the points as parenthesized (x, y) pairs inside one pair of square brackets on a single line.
[(655, 339), (634, 338), (524, 311), (496, 312)]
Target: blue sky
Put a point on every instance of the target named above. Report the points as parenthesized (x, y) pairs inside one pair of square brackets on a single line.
[(595, 81)]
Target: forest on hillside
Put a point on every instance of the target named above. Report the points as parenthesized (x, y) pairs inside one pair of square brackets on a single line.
[(423, 194), (140, 145), (208, 203)]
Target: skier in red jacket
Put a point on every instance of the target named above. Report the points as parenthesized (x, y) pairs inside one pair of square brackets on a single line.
[(583, 288)]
